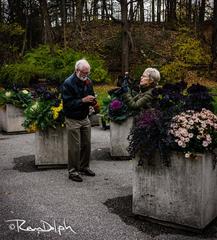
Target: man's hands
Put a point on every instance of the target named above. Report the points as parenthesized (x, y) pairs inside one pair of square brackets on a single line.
[(88, 99)]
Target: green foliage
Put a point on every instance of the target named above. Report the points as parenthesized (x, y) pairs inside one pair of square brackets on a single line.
[(10, 41), (174, 71), (11, 29), (19, 99), (40, 115), (214, 95), (187, 52), (46, 111), (40, 63), (18, 73), (104, 106)]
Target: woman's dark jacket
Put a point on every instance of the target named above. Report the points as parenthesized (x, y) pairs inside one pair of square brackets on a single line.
[(73, 90), (143, 100)]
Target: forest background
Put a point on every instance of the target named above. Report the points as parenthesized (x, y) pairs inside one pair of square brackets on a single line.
[(43, 39)]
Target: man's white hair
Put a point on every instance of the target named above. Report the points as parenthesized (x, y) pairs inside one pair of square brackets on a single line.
[(81, 63), (153, 74)]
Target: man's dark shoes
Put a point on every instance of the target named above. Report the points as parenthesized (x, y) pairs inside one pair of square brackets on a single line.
[(87, 172), (75, 177)]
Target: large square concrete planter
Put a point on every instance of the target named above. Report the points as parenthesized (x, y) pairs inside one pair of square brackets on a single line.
[(51, 147), (118, 138), (184, 193), (12, 119)]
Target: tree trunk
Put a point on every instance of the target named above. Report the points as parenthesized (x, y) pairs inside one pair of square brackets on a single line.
[(25, 34), (141, 9), (202, 11), (49, 38), (189, 10), (1, 11), (171, 12), (104, 10), (214, 36), (125, 39), (79, 11), (63, 20), (131, 12), (153, 10), (112, 7), (95, 9), (158, 11)]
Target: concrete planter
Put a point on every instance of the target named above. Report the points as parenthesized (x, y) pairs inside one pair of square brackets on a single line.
[(12, 119), (51, 147), (118, 138), (94, 120), (184, 193)]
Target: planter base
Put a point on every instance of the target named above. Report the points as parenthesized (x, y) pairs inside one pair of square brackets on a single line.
[(51, 148), (94, 120), (184, 193), (118, 138), (12, 119)]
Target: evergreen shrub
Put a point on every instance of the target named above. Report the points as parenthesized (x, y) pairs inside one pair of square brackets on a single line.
[(55, 67)]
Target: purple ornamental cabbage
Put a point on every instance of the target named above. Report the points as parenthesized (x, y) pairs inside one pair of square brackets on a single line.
[(116, 105)]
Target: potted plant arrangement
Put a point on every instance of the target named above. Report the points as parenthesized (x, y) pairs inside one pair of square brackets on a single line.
[(12, 104), (45, 117), (121, 121), (174, 161)]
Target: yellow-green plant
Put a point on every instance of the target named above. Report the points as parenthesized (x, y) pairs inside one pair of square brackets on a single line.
[(187, 53)]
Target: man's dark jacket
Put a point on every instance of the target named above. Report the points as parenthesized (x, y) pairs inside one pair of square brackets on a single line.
[(73, 90)]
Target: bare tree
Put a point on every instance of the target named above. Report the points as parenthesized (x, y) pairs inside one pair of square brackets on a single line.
[(95, 8), (158, 11), (125, 40), (171, 11), (202, 11), (49, 37), (79, 14), (214, 35), (189, 10), (104, 10), (141, 10), (1, 11), (63, 20), (153, 10)]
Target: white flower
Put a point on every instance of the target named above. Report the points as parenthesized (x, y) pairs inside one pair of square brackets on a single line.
[(34, 106), (8, 94), (25, 91), (187, 155), (190, 135), (205, 143)]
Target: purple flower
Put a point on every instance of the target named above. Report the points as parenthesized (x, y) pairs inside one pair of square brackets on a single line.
[(116, 105)]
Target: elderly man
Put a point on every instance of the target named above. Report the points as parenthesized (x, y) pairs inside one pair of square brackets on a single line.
[(78, 96)]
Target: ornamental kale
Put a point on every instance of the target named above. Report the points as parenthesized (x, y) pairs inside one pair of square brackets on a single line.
[(118, 111), (18, 98)]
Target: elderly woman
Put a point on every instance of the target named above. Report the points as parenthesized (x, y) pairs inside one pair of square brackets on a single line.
[(144, 99)]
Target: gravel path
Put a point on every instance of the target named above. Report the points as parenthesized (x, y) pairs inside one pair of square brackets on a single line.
[(99, 208)]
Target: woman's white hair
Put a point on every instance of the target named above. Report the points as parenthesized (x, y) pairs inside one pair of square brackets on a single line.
[(153, 74), (81, 63)]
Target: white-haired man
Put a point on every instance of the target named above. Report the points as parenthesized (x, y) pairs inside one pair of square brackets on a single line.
[(78, 95)]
